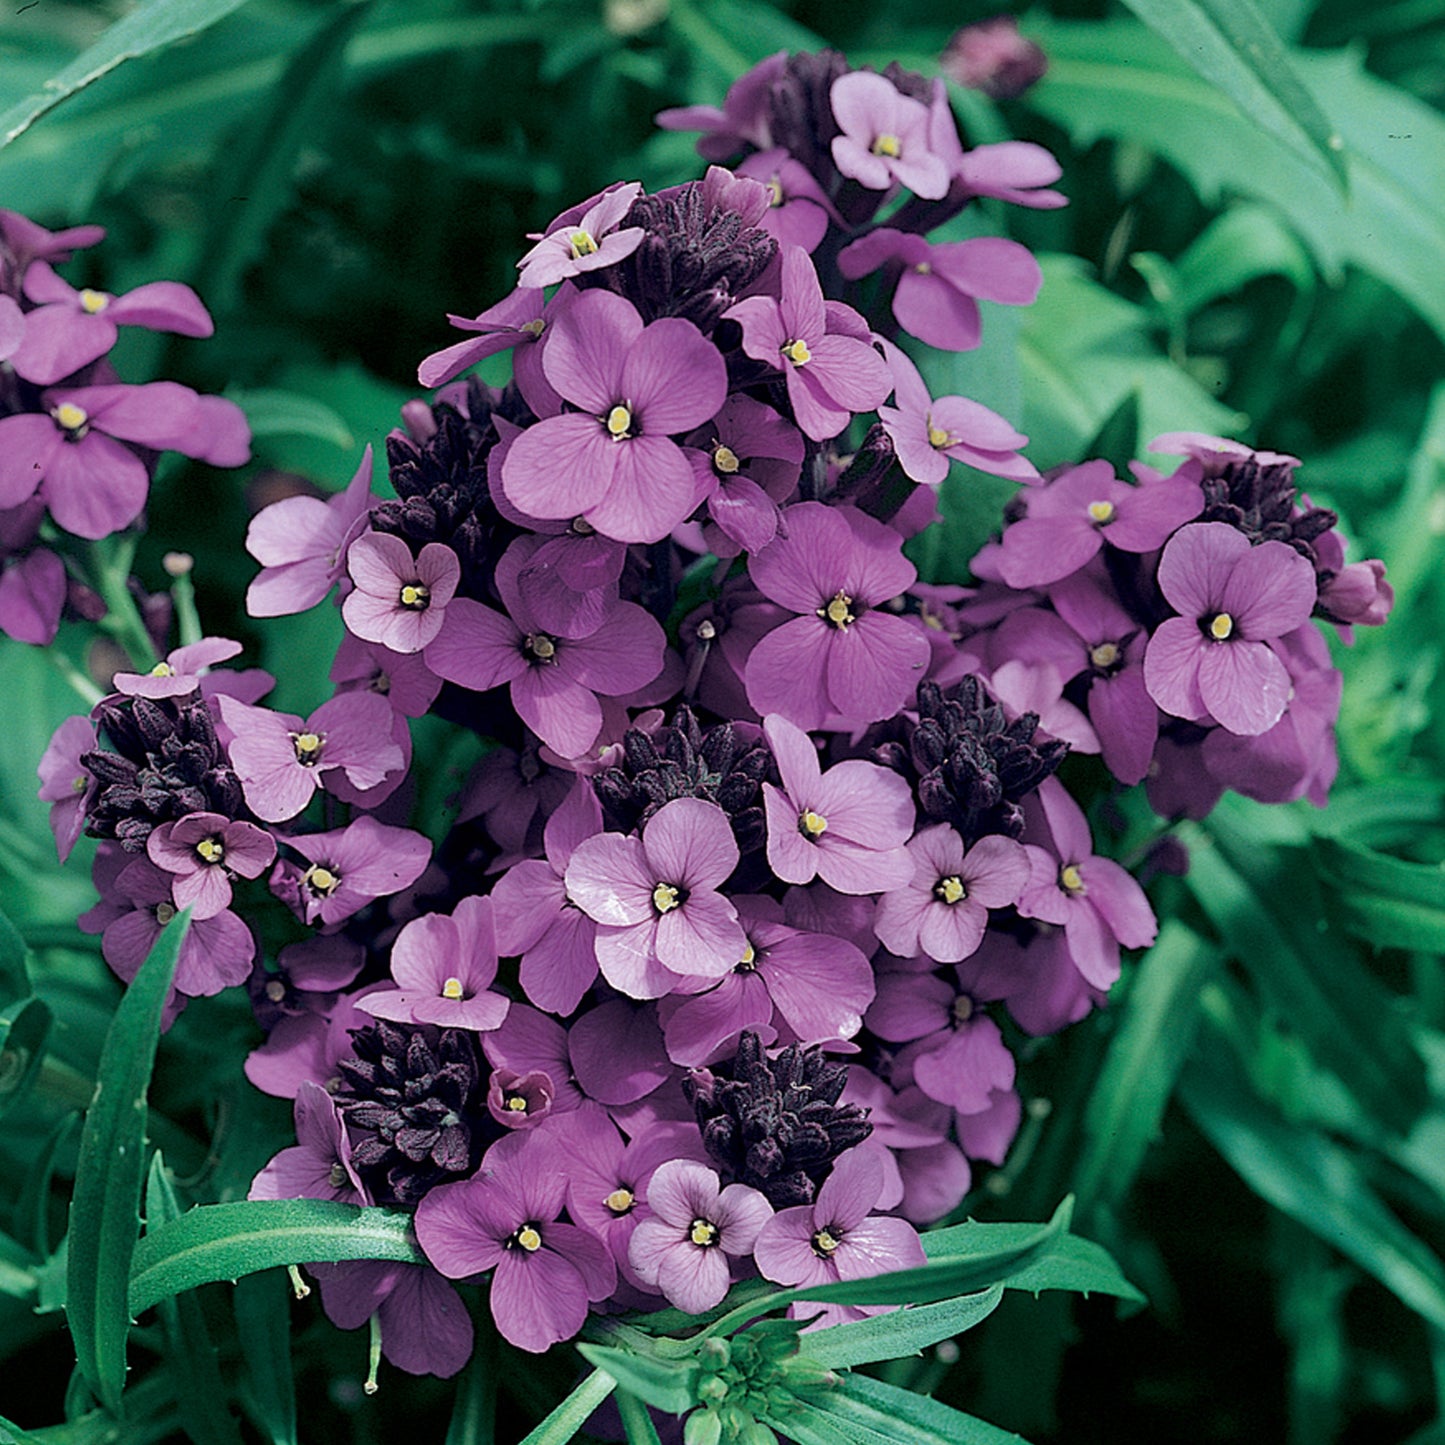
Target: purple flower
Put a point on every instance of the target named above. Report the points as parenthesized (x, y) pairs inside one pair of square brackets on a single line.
[(848, 828), (1012, 170), (940, 285), (1099, 905), (536, 919), (833, 1238), (841, 656), (613, 461), (829, 370), (582, 240), (301, 544), (744, 119), (65, 780), (28, 242), (685, 1248), (1082, 508), (399, 600), (33, 590), (885, 137), (544, 1273), (319, 1167), (655, 898), (181, 671), (349, 867), (281, 760), (425, 1327), (799, 209), (69, 329), (944, 909), (530, 1042), (927, 432), (203, 852), (991, 56), (513, 322), (1215, 661), (403, 679), (444, 966)]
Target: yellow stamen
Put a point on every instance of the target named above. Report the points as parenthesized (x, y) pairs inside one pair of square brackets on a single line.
[(750, 955), (938, 438), (275, 990), (1101, 512), (93, 301), (78, 785), (70, 417), (962, 1009), (535, 327), (887, 145), (837, 611), (1106, 654), (321, 880), (619, 1201), (452, 988), (308, 747), (163, 669), (164, 913), (775, 190), (1071, 879), (924, 268), (582, 244), (211, 849), (703, 1233), (725, 460), (516, 1104), (812, 823), (950, 889), (416, 595), (664, 897), (797, 352), (619, 422), (541, 646), (1221, 627), (824, 1243), (530, 1238)]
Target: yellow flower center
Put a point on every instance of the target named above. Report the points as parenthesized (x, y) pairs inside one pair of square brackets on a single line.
[(416, 596), (71, 418), (725, 460), (164, 913), (937, 437), (812, 823), (950, 889), (93, 301), (664, 897), (530, 1238), (775, 192), (703, 1233), (824, 1243), (797, 352), (1101, 512), (163, 669), (336, 1177), (275, 990), (924, 268), (1071, 879), (619, 422), (78, 784), (308, 748), (619, 1201), (1106, 654), (516, 1104), (750, 955), (1221, 626), (211, 849), (838, 611), (962, 1009), (581, 243), (534, 327), (320, 879), (452, 988), (540, 646), (887, 145)]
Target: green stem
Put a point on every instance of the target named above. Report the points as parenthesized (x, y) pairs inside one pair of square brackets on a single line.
[(183, 593), (83, 687), (60, 935), (112, 558)]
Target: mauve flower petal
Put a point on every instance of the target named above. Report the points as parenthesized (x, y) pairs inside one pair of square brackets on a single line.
[(1196, 564), (1068, 827), (787, 673), (29, 442), (1126, 720), (909, 1007), (1243, 684), (940, 315), (95, 487), (702, 938), (162, 306), (853, 868), (459, 1231), (32, 595), (628, 960), (538, 1299), (784, 1250), (357, 728), (877, 1246), (874, 666), (651, 489), (865, 804), (820, 985), (991, 267), (850, 1191), (689, 842), (818, 414), (1148, 514), (476, 647), (528, 897), (1172, 667), (854, 375), (353, 1291), (707, 1025), (692, 1278), (289, 531), (1039, 550), (558, 969), (59, 340), (1121, 903), (802, 568), (921, 461), (682, 1191), (996, 870), (900, 918), (617, 1052), (609, 878), (673, 378), (624, 654), (425, 1327), (792, 855), (740, 1214), (1270, 592), (206, 892), (950, 933), (216, 955), (560, 466), (964, 1073), (564, 714), (1092, 946), (157, 414)]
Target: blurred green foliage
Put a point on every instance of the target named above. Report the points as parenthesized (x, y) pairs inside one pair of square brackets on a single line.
[(1256, 1125)]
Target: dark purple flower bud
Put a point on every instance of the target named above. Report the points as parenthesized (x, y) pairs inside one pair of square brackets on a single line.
[(993, 57)]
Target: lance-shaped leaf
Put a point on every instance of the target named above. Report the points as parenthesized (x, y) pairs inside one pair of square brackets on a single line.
[(904, 1332)]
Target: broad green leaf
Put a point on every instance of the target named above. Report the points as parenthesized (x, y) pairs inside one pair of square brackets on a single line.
[(262, 1305), (274, 412), (24, 1028), (864, 1411), (1240, 245), (14, 971), (1232, 47), (147, 28), (904, 1332), (670, 1385), (1315, 1181), (1388, 902), (1117, 441), (572, 1414), (224, 1241), (104, 1209), (1153, 1031), (189, 1352)]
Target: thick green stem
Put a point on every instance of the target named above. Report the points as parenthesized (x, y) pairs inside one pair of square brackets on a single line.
[(111, 559)]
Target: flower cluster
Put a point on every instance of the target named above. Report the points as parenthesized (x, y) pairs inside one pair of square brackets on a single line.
[(716, 972), (77, 445)]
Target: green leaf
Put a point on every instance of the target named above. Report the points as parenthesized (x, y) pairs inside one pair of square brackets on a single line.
[(572, 1414), (275, 412), (1315, 1181), (1389, 902), (14, 970), (864, 1411), (670, 1385), (1079, 1266), (24, 1029), (147, 28), (636, 1422), (190, 1354), (1233, 47), (104, 1210), (262, 1305), (904, 1332), (1117, 440), (224, 1241)]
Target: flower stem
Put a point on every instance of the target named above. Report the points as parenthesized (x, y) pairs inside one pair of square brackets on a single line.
[(112, 558)]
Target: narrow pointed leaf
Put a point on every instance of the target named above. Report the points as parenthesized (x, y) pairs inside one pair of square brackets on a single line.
[(24, 1028), (864, 1411), (670, 1385), (14, 973), (572, 1414), (262, 1304), (904, 1332)]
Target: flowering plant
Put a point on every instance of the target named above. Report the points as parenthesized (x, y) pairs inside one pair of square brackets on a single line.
[(680, 1016)]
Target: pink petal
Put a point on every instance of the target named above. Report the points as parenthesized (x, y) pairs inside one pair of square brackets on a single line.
[(588, 347), (690, 843), (674, 378), (537, 1300), (1172, 667), (561, 466), (1243, 684)]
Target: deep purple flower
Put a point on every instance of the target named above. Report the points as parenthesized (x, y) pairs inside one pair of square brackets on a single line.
[(696, 1227), (319, 1166), (69, 329), (281, 760), (743, 119), (582, 240), (655, 898), (991, 56), (613, 461), (203, 852), (1099, 905), (33, 590), (444, 967), (180, 672), (1215, 660), (531, 1042), (515, 321), (885, 137), (799, 208), (301, 544), (944, 909), (830, 371), (841, 656), (348, 868), (848, 828), (940, 284), (505, 1219), (65, 781), (833, 1238)]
